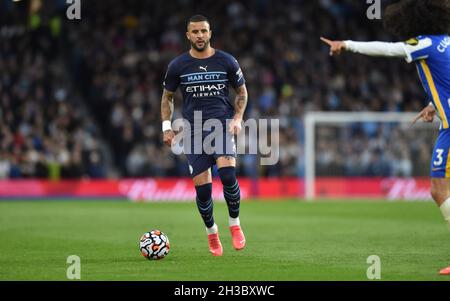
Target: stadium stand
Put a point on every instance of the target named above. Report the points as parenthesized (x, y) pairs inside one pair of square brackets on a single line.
[(75, 93)]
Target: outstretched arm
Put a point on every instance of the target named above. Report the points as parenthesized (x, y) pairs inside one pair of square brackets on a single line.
[(167, 109), (240, 104), (367, 48)]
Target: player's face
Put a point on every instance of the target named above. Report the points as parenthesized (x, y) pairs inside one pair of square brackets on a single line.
[(199, 34)]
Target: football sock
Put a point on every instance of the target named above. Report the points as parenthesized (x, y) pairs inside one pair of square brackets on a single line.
[(445, 209), (231, 190), (234, 221), (205, 204), (212, 230)]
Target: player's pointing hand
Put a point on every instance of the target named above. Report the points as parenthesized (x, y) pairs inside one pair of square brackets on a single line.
[(427, 114), (336, 47)]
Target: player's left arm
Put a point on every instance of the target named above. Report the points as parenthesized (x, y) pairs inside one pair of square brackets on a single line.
[(240, 104), (367, 48), (412, 50)]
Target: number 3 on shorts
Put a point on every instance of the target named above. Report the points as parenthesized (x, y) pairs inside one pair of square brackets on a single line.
[(439, 157)]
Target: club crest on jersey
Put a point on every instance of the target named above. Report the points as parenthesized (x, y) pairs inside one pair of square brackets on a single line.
[(204, 68)]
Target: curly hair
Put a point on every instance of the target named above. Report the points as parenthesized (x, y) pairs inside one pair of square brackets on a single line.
[(411, 18)]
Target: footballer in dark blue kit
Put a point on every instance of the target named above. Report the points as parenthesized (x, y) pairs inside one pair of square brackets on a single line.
[(426, 26), (205, 83), (204, 76)]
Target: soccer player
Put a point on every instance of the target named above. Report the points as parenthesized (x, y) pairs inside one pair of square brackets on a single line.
[(427, 25), (204, 75)]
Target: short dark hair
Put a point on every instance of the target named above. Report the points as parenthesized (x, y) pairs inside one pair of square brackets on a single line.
[(411, 18), (197, 18)]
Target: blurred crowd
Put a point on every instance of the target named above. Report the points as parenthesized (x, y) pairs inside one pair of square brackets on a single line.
[(373, 149), (44, 130), (69, 87)]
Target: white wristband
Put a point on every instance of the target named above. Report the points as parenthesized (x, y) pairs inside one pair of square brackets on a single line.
[(166, 125)]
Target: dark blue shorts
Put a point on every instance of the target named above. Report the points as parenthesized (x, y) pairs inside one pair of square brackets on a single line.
[(205, 151)]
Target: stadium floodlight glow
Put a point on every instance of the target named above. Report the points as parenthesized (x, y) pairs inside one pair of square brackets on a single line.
[(312, 119)]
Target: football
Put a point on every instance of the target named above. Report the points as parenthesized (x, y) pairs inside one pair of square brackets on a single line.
[(154, 245)]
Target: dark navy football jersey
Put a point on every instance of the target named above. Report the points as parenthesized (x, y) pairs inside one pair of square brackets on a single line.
[(204, 84)]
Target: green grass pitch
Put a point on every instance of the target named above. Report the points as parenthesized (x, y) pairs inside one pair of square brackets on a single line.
[(288, 240)]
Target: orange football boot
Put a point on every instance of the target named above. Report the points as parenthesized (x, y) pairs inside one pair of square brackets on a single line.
[(238, 237), (445, 271), (215, 246)]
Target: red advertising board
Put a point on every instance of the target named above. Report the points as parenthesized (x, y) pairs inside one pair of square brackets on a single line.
[(183, 190)]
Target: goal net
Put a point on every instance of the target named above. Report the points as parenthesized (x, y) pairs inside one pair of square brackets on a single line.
[(363, 151)]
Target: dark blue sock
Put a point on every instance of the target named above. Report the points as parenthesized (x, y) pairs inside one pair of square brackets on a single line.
[(205, 204), (231, 190)]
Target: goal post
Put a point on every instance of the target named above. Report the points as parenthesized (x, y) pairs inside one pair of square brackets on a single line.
[(313, 120)]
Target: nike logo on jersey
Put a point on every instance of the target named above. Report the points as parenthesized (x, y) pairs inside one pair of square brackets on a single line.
[(437, 169), (204, 68)]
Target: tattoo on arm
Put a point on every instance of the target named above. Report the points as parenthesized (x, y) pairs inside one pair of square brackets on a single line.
[(167, 106), (240, 103)]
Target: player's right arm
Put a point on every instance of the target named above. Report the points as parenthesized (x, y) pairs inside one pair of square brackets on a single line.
[(427, 114), (171, 83), (167, 108)]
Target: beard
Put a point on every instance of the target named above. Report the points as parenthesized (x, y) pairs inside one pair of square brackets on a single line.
[(200, 49)]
